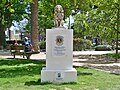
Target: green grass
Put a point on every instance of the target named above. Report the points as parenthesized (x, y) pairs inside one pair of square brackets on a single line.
[(18, 74)]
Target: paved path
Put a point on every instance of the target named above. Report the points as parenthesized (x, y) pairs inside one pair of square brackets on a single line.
[(92, 52), (42, 56)]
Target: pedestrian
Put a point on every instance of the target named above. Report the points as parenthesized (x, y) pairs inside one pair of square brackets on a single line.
[(28, 45)]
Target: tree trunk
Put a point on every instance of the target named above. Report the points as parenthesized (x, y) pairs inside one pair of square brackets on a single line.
[(2, 36), (34, 26)]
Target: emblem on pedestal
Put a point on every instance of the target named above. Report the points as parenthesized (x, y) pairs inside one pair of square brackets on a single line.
[(59, 40)]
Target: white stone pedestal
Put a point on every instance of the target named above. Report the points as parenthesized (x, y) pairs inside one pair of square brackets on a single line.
[(59, 57), (59, 76)]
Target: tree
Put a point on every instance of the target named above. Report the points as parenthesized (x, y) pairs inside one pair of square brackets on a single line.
[(10, 10), (46, 10), (5, 14), (34, 25), (100, 19)]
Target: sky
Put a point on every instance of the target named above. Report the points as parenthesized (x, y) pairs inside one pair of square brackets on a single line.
[(19, 25)]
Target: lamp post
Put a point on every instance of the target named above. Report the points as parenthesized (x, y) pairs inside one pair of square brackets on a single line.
[(69, 24)]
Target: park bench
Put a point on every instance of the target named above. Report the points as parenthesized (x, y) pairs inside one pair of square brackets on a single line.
[(20, 50)]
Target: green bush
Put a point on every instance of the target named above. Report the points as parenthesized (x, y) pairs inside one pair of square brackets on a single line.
[(103, 48), (113, 55), (78, 44), (81, 44), (42, 44)]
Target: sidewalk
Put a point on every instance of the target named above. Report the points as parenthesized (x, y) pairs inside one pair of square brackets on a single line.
[(6, 54), (42, 55), (76, 61), (76, 53)]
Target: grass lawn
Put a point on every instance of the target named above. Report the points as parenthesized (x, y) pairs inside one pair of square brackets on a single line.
[(16, 74)]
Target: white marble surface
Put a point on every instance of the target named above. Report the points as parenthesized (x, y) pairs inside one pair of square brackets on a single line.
[(59, 57), (55, 60)]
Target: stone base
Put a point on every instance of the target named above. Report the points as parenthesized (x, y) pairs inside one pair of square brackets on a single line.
[(58, 76)]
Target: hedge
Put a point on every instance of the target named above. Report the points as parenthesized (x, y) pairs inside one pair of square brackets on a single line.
[(103, 48), (81, 44)]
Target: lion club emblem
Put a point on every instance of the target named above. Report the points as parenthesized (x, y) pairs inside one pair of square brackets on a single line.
[(59, 40)]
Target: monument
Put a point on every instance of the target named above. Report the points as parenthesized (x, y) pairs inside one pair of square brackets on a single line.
[(59, 52)]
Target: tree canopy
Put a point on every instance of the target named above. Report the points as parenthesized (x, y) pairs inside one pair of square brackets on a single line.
[(101, 19), (92, 17), (10, 10)]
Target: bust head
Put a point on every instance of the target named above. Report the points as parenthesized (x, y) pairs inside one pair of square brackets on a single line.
[(26, 38), (58, 9)]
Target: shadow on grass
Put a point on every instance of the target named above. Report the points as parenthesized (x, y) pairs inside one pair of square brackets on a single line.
[(33, 82), (10, 62), (10, 68), (45, 83), (82, 72), (19, 67), (38, 82)]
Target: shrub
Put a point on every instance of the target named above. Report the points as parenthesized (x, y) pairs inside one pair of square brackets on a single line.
[(113, 55), (42, 44), (78, 44), (103, 48), (81, 44)]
